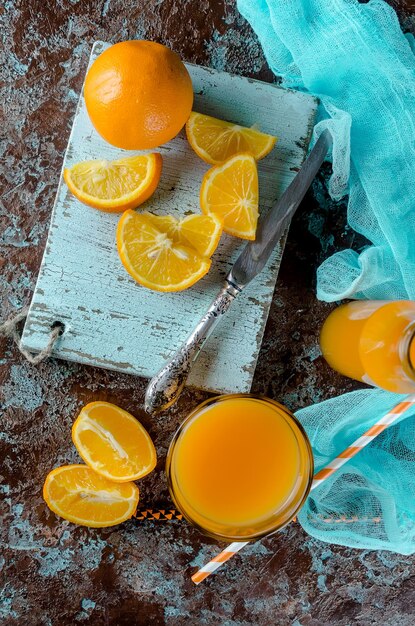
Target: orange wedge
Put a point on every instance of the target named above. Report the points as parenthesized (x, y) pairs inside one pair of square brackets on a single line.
[(231, 191), (115, 186), (80, 495), (154, 258), (215, 140), (202, 232), (113, 443)]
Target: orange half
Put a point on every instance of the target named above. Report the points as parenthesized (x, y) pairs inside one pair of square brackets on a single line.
[(215, 140), (115, 186), (154, 258), (80, 495), (113, 443), (230, 190)]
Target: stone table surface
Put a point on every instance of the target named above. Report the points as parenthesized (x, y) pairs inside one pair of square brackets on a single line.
[(54, 573)]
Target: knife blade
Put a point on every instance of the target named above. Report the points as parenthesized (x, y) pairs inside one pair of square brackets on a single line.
[(166, 386)]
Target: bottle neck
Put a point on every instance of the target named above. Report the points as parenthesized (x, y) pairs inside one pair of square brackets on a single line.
[(407, 351)]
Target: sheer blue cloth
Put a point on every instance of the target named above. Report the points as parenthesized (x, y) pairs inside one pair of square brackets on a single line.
[(356, 59)]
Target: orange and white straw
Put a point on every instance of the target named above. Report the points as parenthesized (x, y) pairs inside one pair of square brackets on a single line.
[(218, 560), (363, 441), (386, 420)]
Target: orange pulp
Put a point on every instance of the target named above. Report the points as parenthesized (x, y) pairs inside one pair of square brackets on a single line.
[(239, 467), (372, 341)]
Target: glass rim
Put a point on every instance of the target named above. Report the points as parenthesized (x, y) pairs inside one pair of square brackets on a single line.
[(190, 417)]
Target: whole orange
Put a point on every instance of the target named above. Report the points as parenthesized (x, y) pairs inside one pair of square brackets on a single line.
[(138, 94)]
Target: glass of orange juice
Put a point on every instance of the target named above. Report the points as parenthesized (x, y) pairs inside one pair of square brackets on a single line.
[(373, 341), (239, 467)]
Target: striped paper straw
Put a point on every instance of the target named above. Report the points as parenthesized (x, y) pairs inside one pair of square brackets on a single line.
[(218, 560), (375, 430)]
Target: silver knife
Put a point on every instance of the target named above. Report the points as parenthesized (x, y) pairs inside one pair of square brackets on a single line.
[(166, 386)]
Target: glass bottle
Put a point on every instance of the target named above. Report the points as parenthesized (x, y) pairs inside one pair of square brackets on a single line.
[(373, 341)]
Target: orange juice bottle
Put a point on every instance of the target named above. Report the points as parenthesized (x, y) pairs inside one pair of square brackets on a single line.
[(239, 467), (373, 341)]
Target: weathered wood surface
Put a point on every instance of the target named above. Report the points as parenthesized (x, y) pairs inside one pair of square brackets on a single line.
[(112, 322)]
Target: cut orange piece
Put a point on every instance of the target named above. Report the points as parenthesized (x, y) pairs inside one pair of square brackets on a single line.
[(202, 232), (231, 191), (80, 495), (152, 256), (215, 140), (113, 443), (115, 186)]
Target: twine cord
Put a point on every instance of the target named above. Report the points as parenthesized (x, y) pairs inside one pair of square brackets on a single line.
[(9, 329)]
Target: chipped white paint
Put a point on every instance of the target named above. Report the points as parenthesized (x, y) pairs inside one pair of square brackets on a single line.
[(110, 320)]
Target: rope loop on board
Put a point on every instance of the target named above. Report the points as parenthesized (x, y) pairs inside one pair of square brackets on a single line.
[(9, 329)]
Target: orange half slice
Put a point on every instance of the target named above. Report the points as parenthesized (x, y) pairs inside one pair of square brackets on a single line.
[(215, 140), (115, 186), (113, 442), (230, 190), (80, 495), (154, 257)]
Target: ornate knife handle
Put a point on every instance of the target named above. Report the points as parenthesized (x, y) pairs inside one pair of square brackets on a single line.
[(166, 386)]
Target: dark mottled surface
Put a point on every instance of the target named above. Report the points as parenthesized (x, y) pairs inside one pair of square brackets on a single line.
[(53, 573)]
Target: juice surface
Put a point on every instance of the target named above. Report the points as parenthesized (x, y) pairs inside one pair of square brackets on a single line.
[(238, 464), (365, 341)]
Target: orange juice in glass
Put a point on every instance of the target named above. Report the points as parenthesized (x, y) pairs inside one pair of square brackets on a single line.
[(239, 467), (373, 341)]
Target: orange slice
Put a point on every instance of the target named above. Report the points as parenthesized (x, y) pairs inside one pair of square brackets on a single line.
[(202, 232), (80, 495), (215, 140), (113, 443), (115, 186), (154, 258), (231, 191)]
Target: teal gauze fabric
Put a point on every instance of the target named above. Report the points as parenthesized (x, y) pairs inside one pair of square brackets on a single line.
[(356, 59)]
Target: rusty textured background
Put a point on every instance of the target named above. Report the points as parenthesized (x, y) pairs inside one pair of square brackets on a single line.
[(53, 573)]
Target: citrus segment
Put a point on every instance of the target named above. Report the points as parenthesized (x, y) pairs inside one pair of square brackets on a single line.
[(231, 191), (115, 186), (113, 443), (153, 258), (138, 94), (80, 495), (215, 140), (165, 223), (202, 232)]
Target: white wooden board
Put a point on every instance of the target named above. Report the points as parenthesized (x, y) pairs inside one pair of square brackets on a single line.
[(112, 322)]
